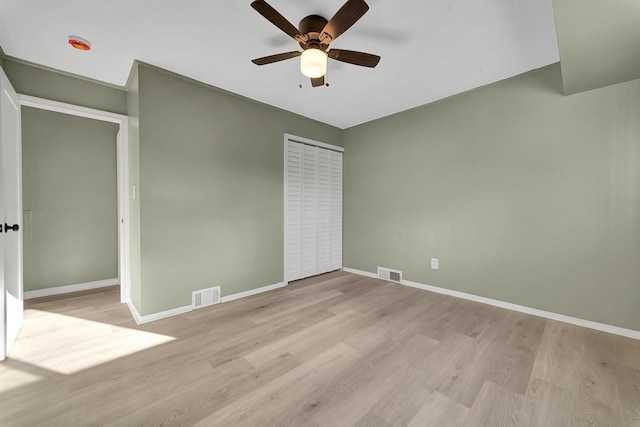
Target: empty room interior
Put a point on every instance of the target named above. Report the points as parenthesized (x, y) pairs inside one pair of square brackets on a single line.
[(305, 213)]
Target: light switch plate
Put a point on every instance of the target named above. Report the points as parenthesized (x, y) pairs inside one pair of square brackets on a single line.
[(434, 263), (26, 225)]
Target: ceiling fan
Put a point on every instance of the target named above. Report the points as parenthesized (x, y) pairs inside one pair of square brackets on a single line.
[(314, 35)]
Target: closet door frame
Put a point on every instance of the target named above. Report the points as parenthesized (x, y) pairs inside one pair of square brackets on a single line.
[(306, 141)]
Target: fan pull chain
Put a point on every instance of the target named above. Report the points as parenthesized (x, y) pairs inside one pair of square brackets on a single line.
[(326, 77), (300, 83)]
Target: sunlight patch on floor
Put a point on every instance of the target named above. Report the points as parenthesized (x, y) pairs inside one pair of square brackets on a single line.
[(13, 378), (87, 343)]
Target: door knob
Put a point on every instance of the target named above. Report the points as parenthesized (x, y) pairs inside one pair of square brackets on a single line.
[(14, 227)]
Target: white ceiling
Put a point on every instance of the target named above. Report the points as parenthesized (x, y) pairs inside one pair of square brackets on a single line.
[(430, 49)]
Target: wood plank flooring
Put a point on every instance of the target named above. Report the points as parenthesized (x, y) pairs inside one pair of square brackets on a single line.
[(333, 350)]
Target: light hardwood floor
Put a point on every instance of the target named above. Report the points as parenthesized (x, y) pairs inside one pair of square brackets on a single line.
[(335, 350)]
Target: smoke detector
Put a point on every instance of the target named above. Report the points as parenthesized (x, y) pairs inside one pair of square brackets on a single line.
[(79, 43)]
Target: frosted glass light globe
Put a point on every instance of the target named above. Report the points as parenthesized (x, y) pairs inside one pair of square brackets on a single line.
[(313, 63)]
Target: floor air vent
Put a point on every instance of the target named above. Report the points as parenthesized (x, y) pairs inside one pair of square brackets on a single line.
[(205, 297), (388, 274)]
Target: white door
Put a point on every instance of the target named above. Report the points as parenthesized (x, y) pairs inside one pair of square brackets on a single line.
[(335, 212), (313, 209), (309, 211), (2, 218), (323, 167), (10, 215), (293, 212)]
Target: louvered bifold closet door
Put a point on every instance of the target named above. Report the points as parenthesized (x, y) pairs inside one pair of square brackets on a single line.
[(309, 211), (335, 211), (324, 210), (314, 210), (294, 211)]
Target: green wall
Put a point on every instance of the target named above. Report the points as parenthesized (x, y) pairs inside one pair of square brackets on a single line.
[(523, 194), (211, 188), (598, 41), (34, 80), (69, 185)]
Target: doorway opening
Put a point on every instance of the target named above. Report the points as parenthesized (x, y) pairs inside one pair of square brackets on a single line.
[(122, 178)]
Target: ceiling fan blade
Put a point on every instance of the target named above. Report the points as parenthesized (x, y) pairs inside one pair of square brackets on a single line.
[(317, 82), (275, 18), (344, 18), (355, 58), (275, 58)]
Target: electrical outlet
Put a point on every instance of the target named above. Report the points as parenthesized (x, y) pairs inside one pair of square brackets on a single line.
[(434, 263)]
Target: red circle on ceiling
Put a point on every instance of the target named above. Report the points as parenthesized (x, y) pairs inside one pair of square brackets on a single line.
[(79, 44)]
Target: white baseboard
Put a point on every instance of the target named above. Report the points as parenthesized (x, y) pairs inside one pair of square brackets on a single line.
[(253, 292), (181, 310), (58, 290), (156, 316), (134, 312), (630, 333), (360, 272)]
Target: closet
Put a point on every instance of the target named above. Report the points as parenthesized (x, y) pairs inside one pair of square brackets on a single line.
[(313, 208)]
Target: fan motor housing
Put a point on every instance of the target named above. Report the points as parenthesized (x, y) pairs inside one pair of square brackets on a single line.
[(310, 27), (312, 24)]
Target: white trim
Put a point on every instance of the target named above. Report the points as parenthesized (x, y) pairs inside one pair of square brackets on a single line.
[(123, 209), (307, 141), (187, 308), (134, 313), (360, 272), (616, 330), (74, 110), (286, 208), (156, 316), (251, 292), (59, 290), (122, 144)]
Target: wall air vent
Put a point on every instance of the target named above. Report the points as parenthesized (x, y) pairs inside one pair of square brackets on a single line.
[(205, 297), (388, 274)]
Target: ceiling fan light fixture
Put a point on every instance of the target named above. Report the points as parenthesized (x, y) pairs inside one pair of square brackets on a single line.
[(314, 36), (313, 62)]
